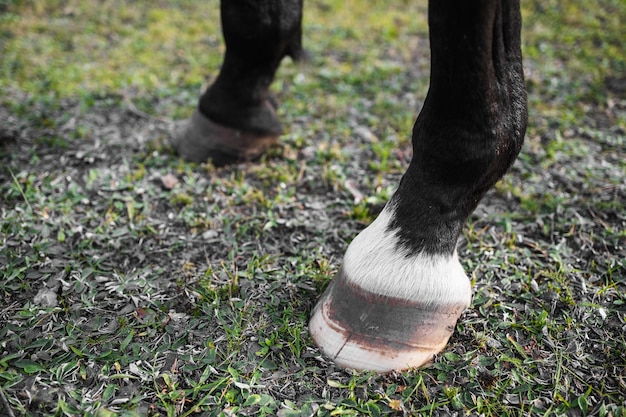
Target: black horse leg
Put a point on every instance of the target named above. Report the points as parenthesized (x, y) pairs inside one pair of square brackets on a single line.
[(401, 289), (236, 119)]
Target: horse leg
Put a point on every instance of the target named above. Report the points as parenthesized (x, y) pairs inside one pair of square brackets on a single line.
[(236, 119), (401, 289)]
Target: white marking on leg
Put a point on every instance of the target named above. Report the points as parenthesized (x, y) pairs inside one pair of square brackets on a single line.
[(376, 263)]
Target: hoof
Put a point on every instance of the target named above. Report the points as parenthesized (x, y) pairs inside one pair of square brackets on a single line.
[(387, 310), (200, 139), (366, 331)]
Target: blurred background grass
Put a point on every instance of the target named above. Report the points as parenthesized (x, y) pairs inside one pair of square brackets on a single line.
[(77, 46), (363, 51)]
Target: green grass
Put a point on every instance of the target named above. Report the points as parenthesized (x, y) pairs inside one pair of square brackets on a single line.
[(123, 296)]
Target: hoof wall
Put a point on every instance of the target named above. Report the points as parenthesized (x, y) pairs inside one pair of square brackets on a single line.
[(366, 331), (200, 139)]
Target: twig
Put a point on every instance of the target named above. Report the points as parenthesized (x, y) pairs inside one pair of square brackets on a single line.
[(6, 403), (19, 186), (133, 109)]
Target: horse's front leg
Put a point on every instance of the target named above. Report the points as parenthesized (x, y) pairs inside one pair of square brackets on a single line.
[(401, 289)]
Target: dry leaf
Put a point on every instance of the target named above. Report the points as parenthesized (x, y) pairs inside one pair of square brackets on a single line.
[(169, 181), (396, 404)]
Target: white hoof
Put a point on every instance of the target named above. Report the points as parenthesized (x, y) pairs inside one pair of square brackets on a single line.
[(386, 309)]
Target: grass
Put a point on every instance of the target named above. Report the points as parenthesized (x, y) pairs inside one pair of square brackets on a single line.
[(124, 293)]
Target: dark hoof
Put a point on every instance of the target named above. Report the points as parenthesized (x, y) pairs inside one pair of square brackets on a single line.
[(362, 330), (200, 139)]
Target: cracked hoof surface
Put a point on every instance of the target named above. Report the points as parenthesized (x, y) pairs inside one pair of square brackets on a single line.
[(362, 330), (199, 139)]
